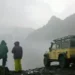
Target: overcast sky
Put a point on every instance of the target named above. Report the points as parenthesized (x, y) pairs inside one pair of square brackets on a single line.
[(33, 13)]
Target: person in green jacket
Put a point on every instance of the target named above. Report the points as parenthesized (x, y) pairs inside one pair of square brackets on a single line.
[(3, 52)]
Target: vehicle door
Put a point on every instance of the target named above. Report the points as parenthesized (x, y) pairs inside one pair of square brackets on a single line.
[(53, 52)]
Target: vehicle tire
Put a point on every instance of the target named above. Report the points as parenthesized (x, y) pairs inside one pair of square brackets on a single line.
[(62, 61), (46, 62), (67, 64)]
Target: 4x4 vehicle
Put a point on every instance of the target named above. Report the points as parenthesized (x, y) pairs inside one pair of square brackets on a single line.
[(62, 50)]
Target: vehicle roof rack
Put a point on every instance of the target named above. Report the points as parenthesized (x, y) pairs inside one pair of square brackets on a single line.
[(65, 38)]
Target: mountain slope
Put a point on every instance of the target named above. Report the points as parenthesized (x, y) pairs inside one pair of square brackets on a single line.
[(55, 28), (47, 31)]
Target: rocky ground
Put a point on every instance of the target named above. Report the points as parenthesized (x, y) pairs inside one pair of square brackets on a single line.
[(53, 70)]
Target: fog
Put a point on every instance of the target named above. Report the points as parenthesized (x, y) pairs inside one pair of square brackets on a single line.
[(33, 13), (31, 23), (38, 42)]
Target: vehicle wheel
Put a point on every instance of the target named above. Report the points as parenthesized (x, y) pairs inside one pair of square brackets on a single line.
[(62, 61), (46, 62), (67, 64)]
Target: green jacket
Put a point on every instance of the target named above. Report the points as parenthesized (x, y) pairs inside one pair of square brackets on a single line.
[(3, 49)]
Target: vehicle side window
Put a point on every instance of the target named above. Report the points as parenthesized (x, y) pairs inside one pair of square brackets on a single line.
[(65, 44), (57, 46), (72, 44), (54, 47)]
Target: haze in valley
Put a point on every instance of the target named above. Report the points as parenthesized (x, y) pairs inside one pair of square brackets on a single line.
[(35, 23)]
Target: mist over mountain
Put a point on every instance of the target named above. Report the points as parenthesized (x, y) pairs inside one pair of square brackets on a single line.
[(54, 28), (47, 31), (14, 33), (38, 41)]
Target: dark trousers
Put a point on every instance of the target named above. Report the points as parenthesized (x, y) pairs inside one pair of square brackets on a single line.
[(4, 60)]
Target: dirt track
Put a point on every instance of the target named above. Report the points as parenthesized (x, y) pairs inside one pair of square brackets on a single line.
[(53, 70)]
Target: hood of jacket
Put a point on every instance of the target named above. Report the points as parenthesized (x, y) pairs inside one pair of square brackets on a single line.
[(3, 42)]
